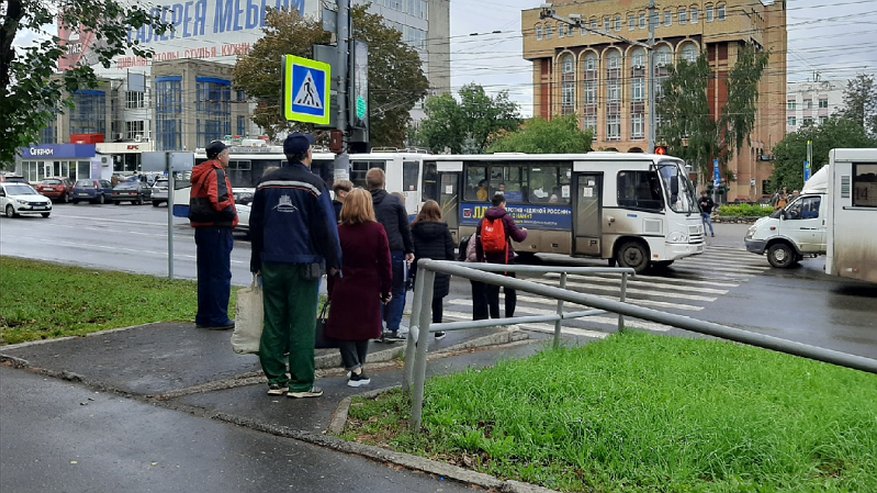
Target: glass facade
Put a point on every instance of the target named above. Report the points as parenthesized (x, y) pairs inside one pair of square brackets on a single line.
[(89, 116), (168, 112), (212, 109)]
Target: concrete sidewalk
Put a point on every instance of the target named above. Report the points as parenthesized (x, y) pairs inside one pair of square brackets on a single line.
[(157, 407)]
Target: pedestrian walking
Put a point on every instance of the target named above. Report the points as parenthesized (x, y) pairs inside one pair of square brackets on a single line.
[(706, 210), (213, 215), (468, 253), (495, 232), (432, 239), (294, 239), (357, 296), (391, 213), (341, 188)]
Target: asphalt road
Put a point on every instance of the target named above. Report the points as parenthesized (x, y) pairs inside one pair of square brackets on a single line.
[(726, 284)]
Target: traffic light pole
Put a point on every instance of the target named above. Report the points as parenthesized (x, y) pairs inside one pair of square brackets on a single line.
[(342, 159), (577, 21)]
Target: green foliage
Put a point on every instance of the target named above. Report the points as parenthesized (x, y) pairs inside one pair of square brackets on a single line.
[(744, 210), (468, 125), (688, 128), (44, 301), (539, 136), (860, 102), (396, 80), (31, 93), (791, 152), (644, 413)]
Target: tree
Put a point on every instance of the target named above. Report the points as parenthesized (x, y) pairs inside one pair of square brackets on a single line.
[(860, 102), (539, 136), (688, 127), (396, 80), (31, 91), (467, 125), (791, 152)]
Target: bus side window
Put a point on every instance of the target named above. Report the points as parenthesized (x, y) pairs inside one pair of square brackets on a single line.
[(476, 184)]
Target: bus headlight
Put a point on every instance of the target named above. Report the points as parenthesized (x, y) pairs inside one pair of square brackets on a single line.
[(677, 237)]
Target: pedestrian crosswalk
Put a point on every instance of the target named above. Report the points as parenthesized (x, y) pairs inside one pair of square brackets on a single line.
[(687, 287)]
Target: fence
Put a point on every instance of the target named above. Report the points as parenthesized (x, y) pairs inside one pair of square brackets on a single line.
[(421, 317)]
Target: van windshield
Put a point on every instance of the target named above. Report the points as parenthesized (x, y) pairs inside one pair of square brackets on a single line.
[(678, 190)]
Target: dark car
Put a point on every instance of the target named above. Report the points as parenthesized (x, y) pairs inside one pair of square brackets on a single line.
[(57, 189), (94, 191), (134, 191)]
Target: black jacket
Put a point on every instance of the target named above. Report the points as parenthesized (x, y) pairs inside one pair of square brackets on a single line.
[(433, 240), (391, 213)]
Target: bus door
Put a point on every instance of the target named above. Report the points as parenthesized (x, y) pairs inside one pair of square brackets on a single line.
[(587, 213), (449, 200)]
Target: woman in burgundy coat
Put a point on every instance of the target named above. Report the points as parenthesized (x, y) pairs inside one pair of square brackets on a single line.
[(365, 283)]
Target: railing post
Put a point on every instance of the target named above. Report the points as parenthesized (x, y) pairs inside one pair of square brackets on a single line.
[(423, 338), (623, 298), (559, 312), (413, 324)]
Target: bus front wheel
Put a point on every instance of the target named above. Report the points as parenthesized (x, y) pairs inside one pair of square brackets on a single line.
[(634, 255)]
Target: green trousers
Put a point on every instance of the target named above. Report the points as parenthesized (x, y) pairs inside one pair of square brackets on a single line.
[(290, 316)]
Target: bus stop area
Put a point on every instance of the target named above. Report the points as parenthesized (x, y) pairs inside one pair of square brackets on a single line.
[(156, 406)]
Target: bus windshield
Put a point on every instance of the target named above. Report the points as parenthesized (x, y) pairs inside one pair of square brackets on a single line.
[(678, 190)]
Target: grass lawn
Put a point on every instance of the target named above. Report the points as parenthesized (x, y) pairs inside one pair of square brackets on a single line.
[(40, 300), (645, 413)]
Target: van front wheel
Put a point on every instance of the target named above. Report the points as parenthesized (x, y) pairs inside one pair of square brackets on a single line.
[(781, 255)]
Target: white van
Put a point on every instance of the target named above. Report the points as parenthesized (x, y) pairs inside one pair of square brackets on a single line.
[(795, 231)]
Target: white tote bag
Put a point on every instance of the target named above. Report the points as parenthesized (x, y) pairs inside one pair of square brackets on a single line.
[(249, 319)]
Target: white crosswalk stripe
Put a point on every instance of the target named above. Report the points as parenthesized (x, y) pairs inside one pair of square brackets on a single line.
[(546, 328)]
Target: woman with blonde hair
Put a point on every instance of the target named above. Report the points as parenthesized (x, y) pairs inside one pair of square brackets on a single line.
[(432, 239), (355, 311)]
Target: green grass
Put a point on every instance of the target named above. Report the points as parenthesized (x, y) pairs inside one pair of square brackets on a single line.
[(40, 300), (645, 413)]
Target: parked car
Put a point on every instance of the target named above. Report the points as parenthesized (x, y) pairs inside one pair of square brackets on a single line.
[(57, 189), (6, 176), (134, 191), (94, 191), (243, 199), (21, 198), (159, 192)]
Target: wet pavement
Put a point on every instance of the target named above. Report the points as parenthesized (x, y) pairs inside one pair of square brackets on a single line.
[(168, 406)]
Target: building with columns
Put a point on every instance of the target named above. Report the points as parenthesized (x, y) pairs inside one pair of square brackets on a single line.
[(604, 82)]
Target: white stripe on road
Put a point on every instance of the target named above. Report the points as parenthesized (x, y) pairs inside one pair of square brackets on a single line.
[(616, 281), (630, 291), (546, 328), (657, 304)]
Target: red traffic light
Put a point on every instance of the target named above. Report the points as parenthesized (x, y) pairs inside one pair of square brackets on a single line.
[(662, 150)]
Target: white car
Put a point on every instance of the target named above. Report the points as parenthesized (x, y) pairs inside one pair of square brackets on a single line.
[(243, 197), (21, 198)]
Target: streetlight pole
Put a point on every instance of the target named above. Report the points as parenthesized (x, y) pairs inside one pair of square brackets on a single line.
[(548, 12)]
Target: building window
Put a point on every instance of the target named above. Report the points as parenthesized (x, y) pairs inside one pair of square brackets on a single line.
[(689, 53), (695, 15), (668, 18), (168, 112), (631, 22), (590, 124), (808, 104), (613, 126), (639, 87), (642, 20), (823, 119), (823, 102), (89, 116), (242, 125), (607, 24), (561, 30), (539, 32), (593, 23), (807, 122), (213, 109), (134, 99), (790, 105), (791, 121), (720, 11), (617, 22), (549, 31), (683, 15), (135, 130), (709, 12), (568, 85), (636, 126)]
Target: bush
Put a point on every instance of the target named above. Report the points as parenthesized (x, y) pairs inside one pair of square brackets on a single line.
[(745, 210)]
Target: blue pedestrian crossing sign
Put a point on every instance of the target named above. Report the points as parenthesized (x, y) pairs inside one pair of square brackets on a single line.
[(306, 90)]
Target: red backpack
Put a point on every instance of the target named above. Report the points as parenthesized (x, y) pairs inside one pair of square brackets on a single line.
[(493, 237)]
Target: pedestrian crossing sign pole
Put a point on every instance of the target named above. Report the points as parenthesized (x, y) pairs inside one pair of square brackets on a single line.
[(306, 90)]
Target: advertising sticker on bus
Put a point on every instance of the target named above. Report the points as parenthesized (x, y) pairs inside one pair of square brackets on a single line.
[(529, 216)]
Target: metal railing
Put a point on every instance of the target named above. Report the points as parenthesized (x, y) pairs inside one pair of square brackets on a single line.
[(414, 375)]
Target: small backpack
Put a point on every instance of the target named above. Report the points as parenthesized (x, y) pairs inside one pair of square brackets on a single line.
[(493, 237)]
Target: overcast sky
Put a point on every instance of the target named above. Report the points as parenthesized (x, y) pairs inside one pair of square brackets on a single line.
[(835, 38)]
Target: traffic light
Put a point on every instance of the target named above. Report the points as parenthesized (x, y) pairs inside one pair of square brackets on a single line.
[(662, 150)]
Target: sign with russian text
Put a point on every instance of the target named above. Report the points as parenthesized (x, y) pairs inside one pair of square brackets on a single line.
[(547, 217)]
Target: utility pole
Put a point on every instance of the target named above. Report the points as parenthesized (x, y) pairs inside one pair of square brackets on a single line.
[(653, 116), (577, 21), (342, 159)]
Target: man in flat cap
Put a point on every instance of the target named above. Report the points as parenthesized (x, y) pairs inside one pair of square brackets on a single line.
[(294, 241), (213, 215)]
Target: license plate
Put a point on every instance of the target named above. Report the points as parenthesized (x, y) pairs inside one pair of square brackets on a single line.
[(83, 195), (38, 207), (49, 189)]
